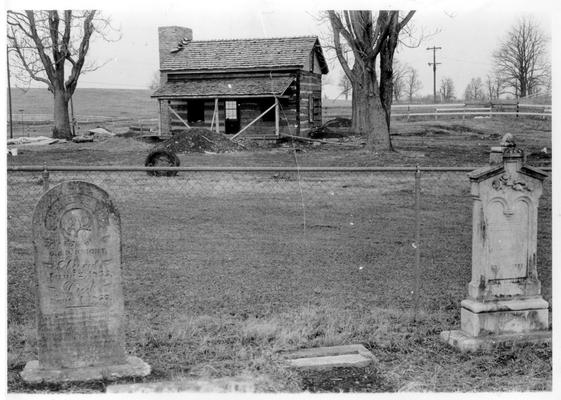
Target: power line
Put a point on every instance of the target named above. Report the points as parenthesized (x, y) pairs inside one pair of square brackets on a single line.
[(434, 63)]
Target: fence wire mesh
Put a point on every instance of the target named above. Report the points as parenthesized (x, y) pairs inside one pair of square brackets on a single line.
[(267, 240)]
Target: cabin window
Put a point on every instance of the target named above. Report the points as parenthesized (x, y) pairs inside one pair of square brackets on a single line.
[(195, 111), (231, 110)]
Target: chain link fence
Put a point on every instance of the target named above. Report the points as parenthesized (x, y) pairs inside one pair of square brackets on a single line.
[(270, 238)]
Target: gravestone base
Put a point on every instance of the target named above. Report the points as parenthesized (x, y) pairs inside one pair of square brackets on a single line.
[(489, 324), (467, 343), (33, 373), (504, 316)]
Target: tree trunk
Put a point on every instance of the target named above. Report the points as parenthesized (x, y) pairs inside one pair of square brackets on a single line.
[(369, 118), (523, 88), (61, 128), (386, 85), (386, 69)]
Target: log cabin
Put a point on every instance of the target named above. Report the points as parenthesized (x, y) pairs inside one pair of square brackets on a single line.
[(261, 88)]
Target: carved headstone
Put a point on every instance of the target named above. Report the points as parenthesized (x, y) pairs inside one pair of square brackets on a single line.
[(504, 303), (80, 306)]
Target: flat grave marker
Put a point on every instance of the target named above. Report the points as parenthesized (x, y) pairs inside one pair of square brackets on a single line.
[(322, 358)]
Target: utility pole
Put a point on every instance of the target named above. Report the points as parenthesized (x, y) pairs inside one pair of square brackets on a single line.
[(434, 63), (9, 92)]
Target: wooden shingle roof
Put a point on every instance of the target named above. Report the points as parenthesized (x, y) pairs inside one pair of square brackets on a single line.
[(225, 87), (244, 54)]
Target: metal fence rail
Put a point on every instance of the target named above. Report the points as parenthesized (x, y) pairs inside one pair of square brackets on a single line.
[(263, 215)]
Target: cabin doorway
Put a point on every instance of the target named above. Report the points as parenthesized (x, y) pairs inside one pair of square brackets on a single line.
[(232, 124)]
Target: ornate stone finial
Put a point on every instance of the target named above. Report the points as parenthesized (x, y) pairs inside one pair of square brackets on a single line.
[(510, 152), (508, 140)]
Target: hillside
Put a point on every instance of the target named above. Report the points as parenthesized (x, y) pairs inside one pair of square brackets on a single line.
[(128, 103)]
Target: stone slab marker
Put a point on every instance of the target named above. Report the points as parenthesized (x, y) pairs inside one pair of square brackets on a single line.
[(504, 304), (323, 358), (80, 306)]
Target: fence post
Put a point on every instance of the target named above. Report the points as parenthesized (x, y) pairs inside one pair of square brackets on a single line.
[(45, 178), (417, 237)]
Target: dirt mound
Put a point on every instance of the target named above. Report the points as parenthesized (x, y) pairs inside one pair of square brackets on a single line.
[(335, 128), (199, 140)]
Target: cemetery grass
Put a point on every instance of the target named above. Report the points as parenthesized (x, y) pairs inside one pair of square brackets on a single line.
[(224, 274)]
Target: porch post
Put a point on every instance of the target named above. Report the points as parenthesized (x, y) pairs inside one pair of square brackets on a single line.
[(217, 115), (277, 132)]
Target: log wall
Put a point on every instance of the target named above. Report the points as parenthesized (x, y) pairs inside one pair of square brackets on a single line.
[(309, 89)]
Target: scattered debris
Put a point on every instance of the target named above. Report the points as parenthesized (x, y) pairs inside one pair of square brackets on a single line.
[(100, 132), (351, 141), (141, 128), (161, 158), (335, 128), (199, 140), (82, 139), (36, 141)]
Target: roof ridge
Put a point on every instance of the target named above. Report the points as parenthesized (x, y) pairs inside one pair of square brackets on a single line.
[(247, 39)]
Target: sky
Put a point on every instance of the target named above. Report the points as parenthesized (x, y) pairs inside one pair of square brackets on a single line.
[(468, 33)]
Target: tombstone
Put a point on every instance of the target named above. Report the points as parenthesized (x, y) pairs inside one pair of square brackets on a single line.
[(80, 306), (504, 304)]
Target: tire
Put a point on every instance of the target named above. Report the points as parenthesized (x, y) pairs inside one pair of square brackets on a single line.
[(161, 158)]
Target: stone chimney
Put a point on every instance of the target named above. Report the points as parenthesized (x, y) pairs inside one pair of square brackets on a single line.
[(169, 38)]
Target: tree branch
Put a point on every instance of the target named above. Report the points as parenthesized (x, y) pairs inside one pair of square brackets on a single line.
[(25, 64), (337, 27), (83, 49), (47, 64)]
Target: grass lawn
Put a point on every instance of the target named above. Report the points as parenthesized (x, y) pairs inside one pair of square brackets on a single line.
[(223, 272)]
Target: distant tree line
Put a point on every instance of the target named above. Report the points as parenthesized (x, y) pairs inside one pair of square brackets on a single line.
[(520, 68)]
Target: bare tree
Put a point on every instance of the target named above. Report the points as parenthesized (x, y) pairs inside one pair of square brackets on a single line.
[(447, 90), (399, 79), (412, 83), (346, 87), (495, 86), (520, 58), (367, 38), (474, 90), (50, 47)]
